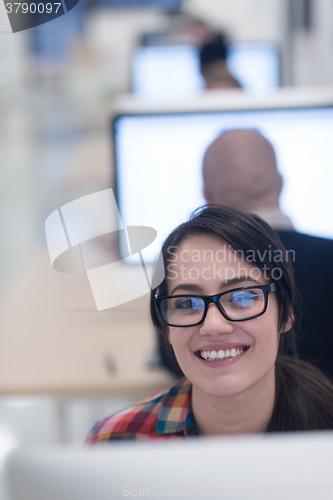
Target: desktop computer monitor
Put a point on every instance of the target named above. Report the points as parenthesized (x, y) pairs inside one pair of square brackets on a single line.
[(290, 465), (166, 72), (255, 65), (158, 159), (173, 71)]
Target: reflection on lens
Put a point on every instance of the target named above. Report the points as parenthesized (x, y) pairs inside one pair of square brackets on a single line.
[(183, 310), (243, 303)]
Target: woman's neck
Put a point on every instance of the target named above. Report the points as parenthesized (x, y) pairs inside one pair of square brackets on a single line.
[(245, 413)]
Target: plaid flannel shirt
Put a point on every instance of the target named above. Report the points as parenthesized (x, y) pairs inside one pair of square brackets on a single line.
[(162, 415)]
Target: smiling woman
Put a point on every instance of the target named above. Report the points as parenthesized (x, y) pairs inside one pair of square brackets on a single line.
[(230, 320)]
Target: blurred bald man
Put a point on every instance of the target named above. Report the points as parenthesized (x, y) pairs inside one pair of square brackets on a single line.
[(239, 170)]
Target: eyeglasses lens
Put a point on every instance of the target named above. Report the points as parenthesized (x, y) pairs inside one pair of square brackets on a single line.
[(183, 311), (238, 305), (243, 304)]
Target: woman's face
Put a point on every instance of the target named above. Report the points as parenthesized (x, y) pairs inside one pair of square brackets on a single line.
[(204, 265)]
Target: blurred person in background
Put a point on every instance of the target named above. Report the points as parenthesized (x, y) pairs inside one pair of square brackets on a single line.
[(212, 47), (213, 67)]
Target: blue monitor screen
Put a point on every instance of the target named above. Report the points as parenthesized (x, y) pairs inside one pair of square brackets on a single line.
[(159, 162)]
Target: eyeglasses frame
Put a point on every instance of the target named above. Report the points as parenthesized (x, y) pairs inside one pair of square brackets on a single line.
[(208, 299)]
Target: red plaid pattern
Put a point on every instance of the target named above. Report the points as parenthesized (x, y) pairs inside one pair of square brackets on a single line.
[(162, 415)]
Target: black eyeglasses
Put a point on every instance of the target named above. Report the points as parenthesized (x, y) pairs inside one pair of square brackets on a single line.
[(239, 304)]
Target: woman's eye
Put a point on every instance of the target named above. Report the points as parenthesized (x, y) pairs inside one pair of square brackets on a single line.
[(243, 299), (185, 304), (190, 303)]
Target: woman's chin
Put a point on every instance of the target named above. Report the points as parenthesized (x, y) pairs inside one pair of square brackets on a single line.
[(227, 387)]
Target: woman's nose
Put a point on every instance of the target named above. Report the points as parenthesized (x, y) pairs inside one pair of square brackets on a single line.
[(215, 323)]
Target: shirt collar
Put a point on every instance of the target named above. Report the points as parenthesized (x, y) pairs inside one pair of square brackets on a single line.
[(175, 415), (274, 217)]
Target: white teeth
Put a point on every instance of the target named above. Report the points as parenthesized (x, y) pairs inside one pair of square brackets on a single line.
[(221, 354)]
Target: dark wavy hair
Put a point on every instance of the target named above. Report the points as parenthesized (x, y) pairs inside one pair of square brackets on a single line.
[(304, 396)]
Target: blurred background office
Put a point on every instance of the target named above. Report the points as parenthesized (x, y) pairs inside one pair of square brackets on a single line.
[(63, 364)]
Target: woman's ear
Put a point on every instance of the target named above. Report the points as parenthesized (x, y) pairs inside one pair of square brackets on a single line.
[(290, 323)]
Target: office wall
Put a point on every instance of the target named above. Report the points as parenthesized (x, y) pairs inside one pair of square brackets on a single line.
[(313, 48), (13, 51), (113, 35), (246, 19)]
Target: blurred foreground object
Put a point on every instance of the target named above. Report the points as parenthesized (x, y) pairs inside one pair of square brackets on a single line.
[(266, 466)]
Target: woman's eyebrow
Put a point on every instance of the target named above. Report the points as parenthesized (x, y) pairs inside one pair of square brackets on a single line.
[(188, 287), (239, 280), (192, 287)]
